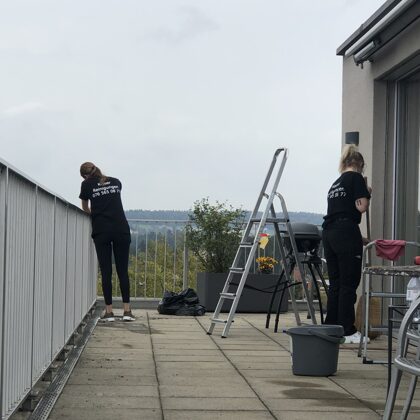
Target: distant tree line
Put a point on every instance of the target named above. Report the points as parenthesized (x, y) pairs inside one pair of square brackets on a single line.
[(300, 216)]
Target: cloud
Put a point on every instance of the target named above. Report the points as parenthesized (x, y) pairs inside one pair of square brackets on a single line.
[(191, 22), (25, 108)]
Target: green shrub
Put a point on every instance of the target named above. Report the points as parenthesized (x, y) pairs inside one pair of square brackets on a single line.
[(214, 234)]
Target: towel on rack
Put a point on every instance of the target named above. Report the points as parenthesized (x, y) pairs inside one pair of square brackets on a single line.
[(389, 249)]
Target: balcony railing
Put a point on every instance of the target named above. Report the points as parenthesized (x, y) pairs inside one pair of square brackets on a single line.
[(47, 281), (160, 259)]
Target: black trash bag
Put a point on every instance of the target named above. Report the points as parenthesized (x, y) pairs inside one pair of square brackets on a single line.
[(183, 303)]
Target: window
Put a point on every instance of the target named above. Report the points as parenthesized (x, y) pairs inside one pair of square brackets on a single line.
[(407, 181)]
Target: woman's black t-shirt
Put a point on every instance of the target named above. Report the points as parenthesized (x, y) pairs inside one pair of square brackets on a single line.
[(105, 204), (348, 188)]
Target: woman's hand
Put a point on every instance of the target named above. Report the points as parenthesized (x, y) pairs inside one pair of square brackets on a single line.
[(85, 206)]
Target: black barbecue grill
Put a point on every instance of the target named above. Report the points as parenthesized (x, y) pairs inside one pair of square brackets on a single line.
[(307, 237)]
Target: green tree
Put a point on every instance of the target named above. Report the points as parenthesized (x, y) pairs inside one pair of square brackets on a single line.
[(214, 234)]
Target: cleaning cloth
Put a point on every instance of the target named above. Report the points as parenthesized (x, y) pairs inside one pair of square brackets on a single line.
[(389, 249)]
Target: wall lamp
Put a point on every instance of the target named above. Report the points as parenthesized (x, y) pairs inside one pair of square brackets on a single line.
[(352, 137), (364, 53)]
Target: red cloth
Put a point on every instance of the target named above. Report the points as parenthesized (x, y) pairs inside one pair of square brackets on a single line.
[(389, 249)]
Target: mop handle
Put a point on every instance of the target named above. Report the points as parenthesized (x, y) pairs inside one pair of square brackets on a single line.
[(367, 216), (368, 228)]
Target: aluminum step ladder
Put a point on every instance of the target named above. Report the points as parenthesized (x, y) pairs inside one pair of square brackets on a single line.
[(251, 244)]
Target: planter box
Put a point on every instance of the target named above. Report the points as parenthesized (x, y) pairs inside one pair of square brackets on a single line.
[(209, 286)]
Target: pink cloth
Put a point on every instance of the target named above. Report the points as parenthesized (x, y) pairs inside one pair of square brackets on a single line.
[(389, 249)]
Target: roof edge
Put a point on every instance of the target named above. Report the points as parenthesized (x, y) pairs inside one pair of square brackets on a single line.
[(366, 26)]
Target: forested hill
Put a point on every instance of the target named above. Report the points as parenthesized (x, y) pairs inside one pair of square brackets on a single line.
[(301, 216)]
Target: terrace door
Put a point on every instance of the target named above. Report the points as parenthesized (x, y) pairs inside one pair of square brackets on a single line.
[(407, 181)]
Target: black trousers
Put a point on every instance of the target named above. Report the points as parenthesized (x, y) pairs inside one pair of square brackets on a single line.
[(119, 243), (343, 248)]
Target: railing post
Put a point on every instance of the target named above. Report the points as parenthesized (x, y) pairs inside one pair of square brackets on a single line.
[(33, 285), (3, 308), (186, 268)]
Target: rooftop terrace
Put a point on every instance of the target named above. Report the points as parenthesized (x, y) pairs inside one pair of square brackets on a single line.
[(167, 367)]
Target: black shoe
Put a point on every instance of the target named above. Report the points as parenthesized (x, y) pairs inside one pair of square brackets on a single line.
[(128, 316), (108, 317)]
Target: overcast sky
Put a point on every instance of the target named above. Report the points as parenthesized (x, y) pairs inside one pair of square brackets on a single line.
[(179, 99)]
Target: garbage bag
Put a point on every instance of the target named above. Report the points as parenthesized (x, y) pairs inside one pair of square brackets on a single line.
[(183, 303)]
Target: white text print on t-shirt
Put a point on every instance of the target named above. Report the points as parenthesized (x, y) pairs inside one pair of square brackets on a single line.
[(105, 189)]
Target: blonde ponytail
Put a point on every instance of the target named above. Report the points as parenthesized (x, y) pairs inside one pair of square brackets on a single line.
[(351, 157)]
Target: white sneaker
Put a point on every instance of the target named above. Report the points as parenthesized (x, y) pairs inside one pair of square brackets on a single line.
[(355, 338)]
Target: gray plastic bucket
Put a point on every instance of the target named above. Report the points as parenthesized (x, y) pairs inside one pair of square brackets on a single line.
[(315, 348)]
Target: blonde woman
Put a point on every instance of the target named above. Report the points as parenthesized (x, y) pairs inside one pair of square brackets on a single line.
[(101, 198), (348, 198)]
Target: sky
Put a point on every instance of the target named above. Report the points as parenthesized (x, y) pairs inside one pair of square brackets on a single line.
[(179, 99)]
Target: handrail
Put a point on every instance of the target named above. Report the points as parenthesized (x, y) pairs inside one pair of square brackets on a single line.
[(47, 281)]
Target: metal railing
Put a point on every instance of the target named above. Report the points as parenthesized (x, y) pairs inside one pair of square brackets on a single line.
[(160, 259), (47, 281)]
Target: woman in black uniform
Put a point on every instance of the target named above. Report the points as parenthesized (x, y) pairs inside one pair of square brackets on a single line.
[(110, 232), (348, 198)]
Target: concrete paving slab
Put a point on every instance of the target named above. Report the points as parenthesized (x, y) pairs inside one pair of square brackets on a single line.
[(207, 391), (197, 365), (122, 352), (325, 415), (185, 346), (218, 404), (184, 352), (256, 353), (292, 388), (112, 390), (217, 415), (268, 390), (118, 363), (312, 405), (264, 365), (81, 378), (269, 360), (285, 372), (247, 346), (80, 401), (188, 358), (379, 404), (101, 413), (233, 380), (114, 344)]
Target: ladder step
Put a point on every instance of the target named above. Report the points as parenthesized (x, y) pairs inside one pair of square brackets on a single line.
[(219, 321), (270, 220), (228, 295), (246, 244), (236, 269)]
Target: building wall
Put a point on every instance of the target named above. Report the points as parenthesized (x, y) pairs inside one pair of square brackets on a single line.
[(365, 110)]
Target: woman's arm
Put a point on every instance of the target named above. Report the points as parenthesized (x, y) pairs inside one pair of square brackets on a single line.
[(85, 206), (362, 204)]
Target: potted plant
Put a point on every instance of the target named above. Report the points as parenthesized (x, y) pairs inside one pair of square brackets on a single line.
[(213, 235), (266, 264)]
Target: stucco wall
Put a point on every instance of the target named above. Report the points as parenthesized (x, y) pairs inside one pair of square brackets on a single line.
[(364, 110)]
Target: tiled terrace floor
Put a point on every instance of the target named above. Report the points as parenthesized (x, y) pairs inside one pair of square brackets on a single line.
[(163, 367)]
